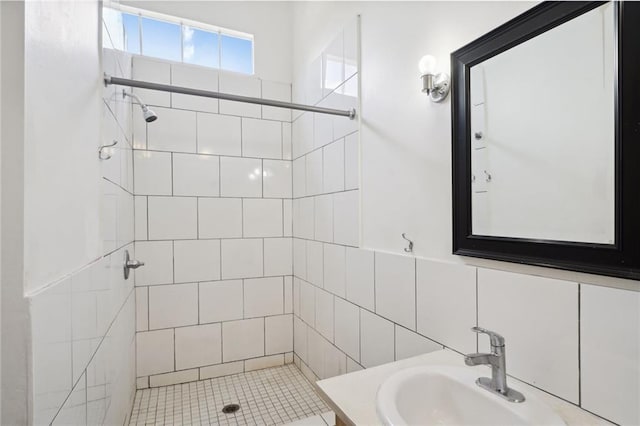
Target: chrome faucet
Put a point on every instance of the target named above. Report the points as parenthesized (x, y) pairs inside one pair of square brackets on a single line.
[(496, 359)]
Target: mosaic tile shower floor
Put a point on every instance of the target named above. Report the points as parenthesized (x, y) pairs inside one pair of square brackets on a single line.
[(273, 396)]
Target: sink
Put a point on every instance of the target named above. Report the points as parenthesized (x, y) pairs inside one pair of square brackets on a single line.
[(448, 395)]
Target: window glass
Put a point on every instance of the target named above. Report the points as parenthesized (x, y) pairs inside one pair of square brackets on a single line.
[(131, 33), (237, 54), (161, 40), (199, 47)]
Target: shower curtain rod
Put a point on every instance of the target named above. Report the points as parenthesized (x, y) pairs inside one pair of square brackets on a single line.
[(217, 95)]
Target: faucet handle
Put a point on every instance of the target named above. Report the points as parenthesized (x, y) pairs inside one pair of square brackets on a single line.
[(496, 339)]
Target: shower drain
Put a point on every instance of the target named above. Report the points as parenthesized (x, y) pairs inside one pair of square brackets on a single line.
[(230, 408)]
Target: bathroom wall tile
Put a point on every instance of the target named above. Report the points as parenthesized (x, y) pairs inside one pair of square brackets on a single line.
[(334, 361), (314, 172), (140, 220), (346, 218), (376, 339), (288, 295), (263, 362), (610, 353), (335, 269), (194, 77), (261, 138), (322, 128), (172, 218), (154, 352), (242, 339), (219, 217), (196, 175), (278, 334), (446, 301), (219, 134), (533, 314), (173, 305), (308, 303), (220, 301), (237, 84), (303, 218), (154, 71), (240, 177), (316, 344), (302, 135), (142, 308), (174, 130), (221, 370), (242, 258), (198, 346), (287, 217), (360, 277), (323, 225), (300, 338), (300, 258), (351, 162), (278, 256), (152, 173), (324, 314), (396, 288), (174, 378), (353, 366), (299, 177), (347, 328), (262, 217), (279, 92), (276, 178), (333, 167), (196, 260), (286, 142), (263, 296), (139, 127), (74, 409), (315, 263), (158, 262), (410, 344)]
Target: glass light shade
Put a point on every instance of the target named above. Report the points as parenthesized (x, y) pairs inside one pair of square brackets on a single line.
[(427, 65)]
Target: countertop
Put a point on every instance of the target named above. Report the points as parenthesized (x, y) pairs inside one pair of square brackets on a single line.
[(352, 396)]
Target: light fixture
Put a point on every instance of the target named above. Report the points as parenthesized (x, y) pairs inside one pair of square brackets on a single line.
[(435, 85)]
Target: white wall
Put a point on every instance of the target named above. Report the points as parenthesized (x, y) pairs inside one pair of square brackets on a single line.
[(62, 180), (269, 22)]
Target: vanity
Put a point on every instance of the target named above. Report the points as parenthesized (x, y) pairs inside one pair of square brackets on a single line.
[(353, 397)]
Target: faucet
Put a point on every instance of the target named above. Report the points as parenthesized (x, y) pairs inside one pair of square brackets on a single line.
[(496, 359)]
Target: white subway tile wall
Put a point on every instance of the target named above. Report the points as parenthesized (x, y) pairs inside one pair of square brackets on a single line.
[(214, 223), (83, 325), (356, 308)]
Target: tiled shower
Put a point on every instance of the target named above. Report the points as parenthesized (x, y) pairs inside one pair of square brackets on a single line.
[(261, 275)]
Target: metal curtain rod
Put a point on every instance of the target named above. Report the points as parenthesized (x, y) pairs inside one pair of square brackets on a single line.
[(217, 95)]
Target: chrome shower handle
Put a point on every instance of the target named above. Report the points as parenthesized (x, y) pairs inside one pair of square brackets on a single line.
[(130, 264)]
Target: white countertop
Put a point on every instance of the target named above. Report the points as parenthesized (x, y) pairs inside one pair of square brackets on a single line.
[(353, 396)]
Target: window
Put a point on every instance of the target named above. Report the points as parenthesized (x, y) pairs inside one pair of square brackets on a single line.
[(173, 39)]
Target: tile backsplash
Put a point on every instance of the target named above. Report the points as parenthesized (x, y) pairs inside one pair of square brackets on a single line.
[(356, 308), (213, 203)]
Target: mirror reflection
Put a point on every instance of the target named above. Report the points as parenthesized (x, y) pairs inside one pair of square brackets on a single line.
[(543, 135)]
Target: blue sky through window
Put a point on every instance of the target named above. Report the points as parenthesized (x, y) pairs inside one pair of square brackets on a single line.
[(237, 54), (161, 40), (200, 47), (131, 33)]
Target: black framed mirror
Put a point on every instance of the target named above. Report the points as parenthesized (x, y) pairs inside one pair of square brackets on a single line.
[(546, 140)]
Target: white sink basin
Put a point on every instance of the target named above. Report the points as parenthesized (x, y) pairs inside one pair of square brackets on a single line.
[(447, 395)]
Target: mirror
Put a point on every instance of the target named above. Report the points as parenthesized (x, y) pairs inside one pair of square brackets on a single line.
[(543, 158), (543, 135)]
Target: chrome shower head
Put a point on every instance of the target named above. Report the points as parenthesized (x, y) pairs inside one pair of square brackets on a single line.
[(147, 113)]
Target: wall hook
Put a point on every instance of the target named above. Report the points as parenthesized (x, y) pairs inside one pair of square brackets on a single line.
[(104, 153), (410, 248), (487, 176)]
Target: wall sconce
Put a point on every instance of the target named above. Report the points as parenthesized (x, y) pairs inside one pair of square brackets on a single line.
[(435, 85)]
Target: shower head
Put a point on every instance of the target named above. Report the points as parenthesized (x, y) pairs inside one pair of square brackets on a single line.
[(147, 113)]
